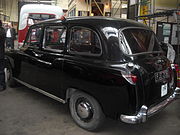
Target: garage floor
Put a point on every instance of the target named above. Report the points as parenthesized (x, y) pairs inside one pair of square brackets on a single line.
[(26, 112)]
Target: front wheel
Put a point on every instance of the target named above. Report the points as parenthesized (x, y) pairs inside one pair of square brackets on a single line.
[(86, 111)]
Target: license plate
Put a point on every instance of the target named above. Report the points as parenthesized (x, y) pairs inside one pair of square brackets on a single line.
[(164, 89), (161, 76)]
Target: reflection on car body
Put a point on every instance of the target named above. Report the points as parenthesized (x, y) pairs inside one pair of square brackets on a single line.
[(102, 67)]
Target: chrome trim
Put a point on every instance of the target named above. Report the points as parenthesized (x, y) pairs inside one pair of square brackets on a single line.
[(6, 74), (139, 118), (146, 112), (83, 110), (42, 61), (41, 91), (177, 93), (134, 27), (157, 108), (173, 66)]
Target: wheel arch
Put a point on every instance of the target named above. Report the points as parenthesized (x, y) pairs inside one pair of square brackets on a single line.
[(70, 91), (8, 62)]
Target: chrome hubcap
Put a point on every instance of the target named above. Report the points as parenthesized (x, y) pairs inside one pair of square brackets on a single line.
[(84, 110)]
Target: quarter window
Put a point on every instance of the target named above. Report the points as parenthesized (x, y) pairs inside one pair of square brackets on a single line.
[(55, 38), (84, 41)]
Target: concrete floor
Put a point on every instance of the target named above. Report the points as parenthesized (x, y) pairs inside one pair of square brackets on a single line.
[(26, 112)]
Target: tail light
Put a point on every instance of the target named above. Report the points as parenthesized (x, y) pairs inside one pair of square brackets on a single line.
[(126, 73), (176, 67), (132, 79), (175, 77)]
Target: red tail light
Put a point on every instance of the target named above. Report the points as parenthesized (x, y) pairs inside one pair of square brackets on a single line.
[(127, 73), (176, 67), (132, 79)]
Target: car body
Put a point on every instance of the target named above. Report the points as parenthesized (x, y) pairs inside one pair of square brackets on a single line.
[(100, 66)]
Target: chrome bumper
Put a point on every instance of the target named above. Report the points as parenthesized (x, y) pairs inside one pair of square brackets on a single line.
[(146, 112)]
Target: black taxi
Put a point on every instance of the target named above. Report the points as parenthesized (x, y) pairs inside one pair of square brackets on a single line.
[(102, 67)]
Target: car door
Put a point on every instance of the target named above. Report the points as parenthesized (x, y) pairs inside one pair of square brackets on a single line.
[(83, 65), (50, 60), (27, 57)]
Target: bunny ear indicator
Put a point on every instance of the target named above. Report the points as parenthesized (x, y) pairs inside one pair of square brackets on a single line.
[(63, 18)]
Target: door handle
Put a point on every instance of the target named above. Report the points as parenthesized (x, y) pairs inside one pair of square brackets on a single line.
[(37, 54)]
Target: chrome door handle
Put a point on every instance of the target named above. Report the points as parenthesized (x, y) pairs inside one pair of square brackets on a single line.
[(38, 55)]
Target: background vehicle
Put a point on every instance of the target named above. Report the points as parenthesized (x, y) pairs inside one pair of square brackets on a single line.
[(33, 13)]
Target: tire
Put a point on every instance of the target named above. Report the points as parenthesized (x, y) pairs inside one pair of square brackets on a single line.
[(8, 77), (86, 111)]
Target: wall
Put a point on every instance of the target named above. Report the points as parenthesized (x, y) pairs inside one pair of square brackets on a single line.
[(81, 5), (166, 4), (119, 8), (63, 4), (163, 5), (10, 9)]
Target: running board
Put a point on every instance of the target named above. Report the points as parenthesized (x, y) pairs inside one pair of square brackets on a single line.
[(41, 91)]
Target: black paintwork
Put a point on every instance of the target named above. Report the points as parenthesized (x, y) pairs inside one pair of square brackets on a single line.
[(55, 72)]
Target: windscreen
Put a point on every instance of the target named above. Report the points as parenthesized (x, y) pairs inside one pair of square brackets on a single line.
[(38, 16), (134, 41)]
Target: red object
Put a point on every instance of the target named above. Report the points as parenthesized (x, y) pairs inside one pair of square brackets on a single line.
[(178, 74), (63, 18), (55, 36), (178, 13), (176, 67), (22, 34), (131, 78)]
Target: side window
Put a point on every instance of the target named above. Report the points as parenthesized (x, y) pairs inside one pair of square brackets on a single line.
[(34, 37), (55, 38), (84, 41)]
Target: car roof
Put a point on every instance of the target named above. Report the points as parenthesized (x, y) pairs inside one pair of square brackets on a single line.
[(98, 21)]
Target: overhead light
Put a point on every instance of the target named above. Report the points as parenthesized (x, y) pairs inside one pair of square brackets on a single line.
[(106, 5), (92, 14)]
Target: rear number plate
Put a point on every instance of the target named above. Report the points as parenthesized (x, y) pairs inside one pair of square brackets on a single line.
[(161, 76), (164, 89)]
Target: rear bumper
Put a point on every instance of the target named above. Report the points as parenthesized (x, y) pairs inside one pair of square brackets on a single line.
[(146, 112)]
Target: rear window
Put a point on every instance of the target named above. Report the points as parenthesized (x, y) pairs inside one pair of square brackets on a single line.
[(134, 41)]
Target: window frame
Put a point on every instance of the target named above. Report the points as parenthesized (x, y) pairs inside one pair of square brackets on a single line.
[(84, 53), (141, 28), (44, 38), (28, 34)]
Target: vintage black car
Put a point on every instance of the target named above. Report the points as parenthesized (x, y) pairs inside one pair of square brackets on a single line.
[(102, 67)]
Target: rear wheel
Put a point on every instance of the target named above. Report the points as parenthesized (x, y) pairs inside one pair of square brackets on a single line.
[(8, 76), (86, 111)]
